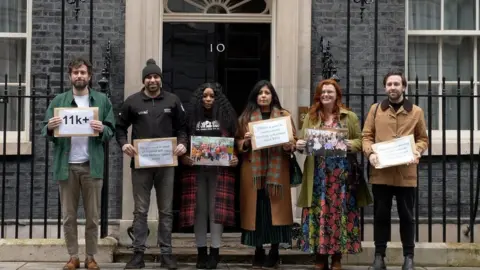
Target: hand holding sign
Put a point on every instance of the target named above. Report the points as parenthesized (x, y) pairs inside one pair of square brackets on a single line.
[(54, 122), (96, 125)]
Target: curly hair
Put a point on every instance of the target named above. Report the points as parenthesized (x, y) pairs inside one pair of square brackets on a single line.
[(222, 109), (317, 107), (252, 104)]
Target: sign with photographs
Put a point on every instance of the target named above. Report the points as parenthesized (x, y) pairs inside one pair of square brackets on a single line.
[(211, 151), (326, 142)]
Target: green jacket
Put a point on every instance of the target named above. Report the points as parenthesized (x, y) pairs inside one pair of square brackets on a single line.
[(95, 144), (348, 119)]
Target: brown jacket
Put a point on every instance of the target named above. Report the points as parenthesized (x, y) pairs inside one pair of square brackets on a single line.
[(281, 207), (388, 125)]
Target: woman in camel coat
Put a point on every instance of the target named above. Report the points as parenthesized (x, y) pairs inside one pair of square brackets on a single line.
[(265, 200)]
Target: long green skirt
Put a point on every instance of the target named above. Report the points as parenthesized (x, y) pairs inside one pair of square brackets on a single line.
[(265, 232)]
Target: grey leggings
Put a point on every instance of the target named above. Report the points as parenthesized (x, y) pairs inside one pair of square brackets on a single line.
[(205, 208)]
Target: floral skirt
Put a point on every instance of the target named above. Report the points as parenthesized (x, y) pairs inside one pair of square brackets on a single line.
[(332, 224)]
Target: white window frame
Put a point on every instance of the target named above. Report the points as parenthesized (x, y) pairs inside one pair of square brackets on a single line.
[(450, 135), (25, 144)]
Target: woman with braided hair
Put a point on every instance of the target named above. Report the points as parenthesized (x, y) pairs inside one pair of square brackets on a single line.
[(265, 199), (208, 192)]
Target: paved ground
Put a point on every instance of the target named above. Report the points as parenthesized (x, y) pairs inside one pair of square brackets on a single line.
[(119, 266)]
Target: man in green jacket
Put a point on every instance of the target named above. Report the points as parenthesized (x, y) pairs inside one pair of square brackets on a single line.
[(79, 161)]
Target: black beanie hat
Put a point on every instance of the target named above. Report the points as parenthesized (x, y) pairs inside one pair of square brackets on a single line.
[(151, 68)]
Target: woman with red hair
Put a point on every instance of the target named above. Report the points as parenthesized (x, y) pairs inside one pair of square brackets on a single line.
[(330, 216)]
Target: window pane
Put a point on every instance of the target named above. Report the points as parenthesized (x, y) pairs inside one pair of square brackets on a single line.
[(424, 14), (457, 58), (12, 110), (422, 58), (12, 59), (13, 16), (422, 101), (459, 15), (451, 109)]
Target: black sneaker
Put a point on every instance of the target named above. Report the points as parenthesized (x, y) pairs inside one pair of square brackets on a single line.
[(168, 261), (408, 263), (136, 262), (379, 262)]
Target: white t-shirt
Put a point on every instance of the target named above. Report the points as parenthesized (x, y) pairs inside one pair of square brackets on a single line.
[(79, 145)]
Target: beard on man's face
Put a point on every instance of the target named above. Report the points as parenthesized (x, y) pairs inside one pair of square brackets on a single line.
[(80, 84), (153, 86)]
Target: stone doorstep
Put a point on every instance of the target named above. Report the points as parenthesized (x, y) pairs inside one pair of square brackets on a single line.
[(427, 254), (53, 250)]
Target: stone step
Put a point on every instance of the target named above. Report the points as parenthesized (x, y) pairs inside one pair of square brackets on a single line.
[(232, 251), (228, 255)]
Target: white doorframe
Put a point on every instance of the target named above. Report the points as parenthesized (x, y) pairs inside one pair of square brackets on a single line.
[(290, 67)]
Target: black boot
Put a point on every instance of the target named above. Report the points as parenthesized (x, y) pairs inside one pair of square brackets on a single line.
[(202, 258), (136, 262), (379, 263), (169, 261), (213, 258), (273, 258), (408, 263), (259, 258)]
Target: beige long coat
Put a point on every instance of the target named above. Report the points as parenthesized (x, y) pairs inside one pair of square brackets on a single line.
[(388, 125), (281, 207)]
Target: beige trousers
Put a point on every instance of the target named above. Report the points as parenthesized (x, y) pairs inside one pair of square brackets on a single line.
[(80, 182)]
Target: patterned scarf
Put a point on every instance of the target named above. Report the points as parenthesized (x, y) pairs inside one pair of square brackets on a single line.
[(266, 167)]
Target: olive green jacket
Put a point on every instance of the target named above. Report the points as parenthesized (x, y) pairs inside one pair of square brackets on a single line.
[(349, 120), (95, 144)]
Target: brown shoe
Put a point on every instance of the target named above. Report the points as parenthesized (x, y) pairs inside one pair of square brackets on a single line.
[(321, 262), (91, 264), (337, 262), (72, 264)]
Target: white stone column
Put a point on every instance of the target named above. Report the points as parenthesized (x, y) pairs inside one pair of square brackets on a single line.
[(291, 61), (143, 40)]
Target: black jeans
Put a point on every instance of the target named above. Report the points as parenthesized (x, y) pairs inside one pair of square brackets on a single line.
[(405, 197)]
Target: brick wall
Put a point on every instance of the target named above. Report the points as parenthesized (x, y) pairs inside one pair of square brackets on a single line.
[(109, 24), (329, 19)]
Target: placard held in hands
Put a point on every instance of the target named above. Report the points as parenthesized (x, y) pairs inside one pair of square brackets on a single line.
[(76, 121), (395, 152), (156, 152), (271, 132)]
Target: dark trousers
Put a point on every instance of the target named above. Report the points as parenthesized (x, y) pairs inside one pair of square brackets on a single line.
[(405, 197)]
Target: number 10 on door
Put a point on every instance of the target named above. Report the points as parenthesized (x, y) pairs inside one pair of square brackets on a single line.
[(219, 47)]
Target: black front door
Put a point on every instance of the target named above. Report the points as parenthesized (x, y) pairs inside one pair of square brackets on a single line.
[(236, 55)]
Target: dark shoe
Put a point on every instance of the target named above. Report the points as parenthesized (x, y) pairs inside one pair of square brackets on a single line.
[(408, 263), (336, 262), (136, 262), (321, 262), (213, 258), (272, 260), (72, 264), (379, 263), (202, 258), (91, 264), (169, 261), (258, 259)]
